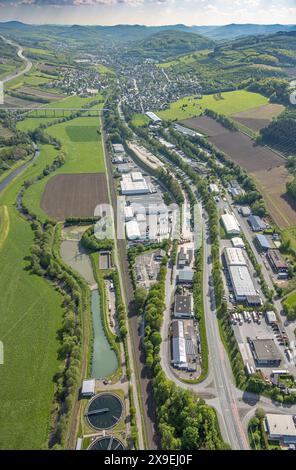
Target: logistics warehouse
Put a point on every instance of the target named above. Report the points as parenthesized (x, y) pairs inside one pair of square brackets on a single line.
[(241, 280)]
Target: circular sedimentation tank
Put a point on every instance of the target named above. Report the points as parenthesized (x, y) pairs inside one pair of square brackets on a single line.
[(104, 411), (107, 443)]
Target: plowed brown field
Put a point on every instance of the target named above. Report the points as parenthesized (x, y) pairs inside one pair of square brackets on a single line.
[(74, 195)]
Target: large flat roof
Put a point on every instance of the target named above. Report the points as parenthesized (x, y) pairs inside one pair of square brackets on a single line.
[(256, 223), (280, 425), (153, 116), (183, 303), (235, 257), (130, 186), (266, 350), (132, 230), (230, 223), (242, 282), (263, 241), (88, 386)]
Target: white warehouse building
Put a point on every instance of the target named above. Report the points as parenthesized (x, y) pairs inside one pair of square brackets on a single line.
[(134, 183), (179, 358), (132, 230), (230, 224), (235, 257), (153, 116), (242, 283)]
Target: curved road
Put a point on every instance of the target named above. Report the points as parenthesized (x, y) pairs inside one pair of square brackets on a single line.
[(20, 54), (234, 407)]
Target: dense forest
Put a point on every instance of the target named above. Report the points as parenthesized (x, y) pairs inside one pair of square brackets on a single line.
[(167, 44)]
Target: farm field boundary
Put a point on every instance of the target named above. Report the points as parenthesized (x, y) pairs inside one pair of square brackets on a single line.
[(265, 166)]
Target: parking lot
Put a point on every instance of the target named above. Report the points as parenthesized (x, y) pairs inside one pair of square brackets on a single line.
[(253, 325)]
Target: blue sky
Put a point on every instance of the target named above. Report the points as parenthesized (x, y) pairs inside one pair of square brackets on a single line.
[(150, 12)]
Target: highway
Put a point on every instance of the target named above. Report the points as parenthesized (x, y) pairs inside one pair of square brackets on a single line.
[(20, 54)]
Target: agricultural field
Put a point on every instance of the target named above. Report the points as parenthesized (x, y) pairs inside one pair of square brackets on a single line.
[(75, 195), (41, 93), (222, 103), (82, 144), (185, 59), (84, 153), (39, 52), (28, 325), (267, 168), (31, 123), (260, 117), (205, 124)]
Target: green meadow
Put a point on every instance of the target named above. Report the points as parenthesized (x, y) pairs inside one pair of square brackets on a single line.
[(225, 103), (30, 315), (84, 154), (140, 119), (82, 142), (29, 321)]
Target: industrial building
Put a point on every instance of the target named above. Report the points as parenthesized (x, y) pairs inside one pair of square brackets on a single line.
[(183, 306), (234, 257), (124, 168), (243, 285), (119, 160), (134, 183), (147, 204), (132, 230), (262, 242), (276, 261), (153, 117), (265, 352), (185, 131), (281, 428), (230, 224), (245, 211), (185, 257), (178, 345), (118, 149), (256, 223), (237, 242), (88, 387), (128, 213), (185, 276), (184, 348)]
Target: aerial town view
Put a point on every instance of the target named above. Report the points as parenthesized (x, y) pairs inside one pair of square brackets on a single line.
[(148, 227)]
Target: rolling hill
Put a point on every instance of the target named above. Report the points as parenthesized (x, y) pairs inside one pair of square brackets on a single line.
[(233, 62), (167, 44)]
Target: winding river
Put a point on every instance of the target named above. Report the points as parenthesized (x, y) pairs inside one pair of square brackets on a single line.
[(18, 170)]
